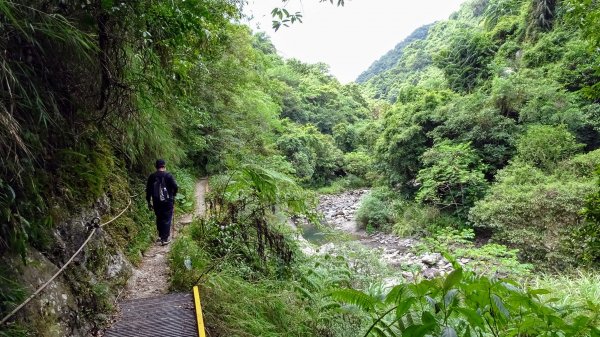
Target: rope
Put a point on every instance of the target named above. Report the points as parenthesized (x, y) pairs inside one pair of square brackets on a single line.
[(97, 225)]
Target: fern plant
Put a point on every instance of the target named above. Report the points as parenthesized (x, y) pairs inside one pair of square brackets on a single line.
[(465, 304), (245, 204)]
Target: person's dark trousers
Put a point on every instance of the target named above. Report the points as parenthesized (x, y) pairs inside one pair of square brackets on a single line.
[(164, 215)]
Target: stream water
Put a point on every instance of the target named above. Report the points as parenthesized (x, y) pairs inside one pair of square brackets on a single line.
[(339, 212)]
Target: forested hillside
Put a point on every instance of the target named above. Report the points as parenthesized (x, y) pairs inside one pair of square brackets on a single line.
[(478, 136), (389, 60), (494, 121)]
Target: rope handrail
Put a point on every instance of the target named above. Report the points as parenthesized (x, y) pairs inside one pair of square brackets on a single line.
[(97, 225)]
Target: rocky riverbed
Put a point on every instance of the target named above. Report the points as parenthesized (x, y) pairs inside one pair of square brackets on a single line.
[(339, 213)]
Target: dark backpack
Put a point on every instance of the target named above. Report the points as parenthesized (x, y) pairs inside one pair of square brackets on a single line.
[(160, 191)]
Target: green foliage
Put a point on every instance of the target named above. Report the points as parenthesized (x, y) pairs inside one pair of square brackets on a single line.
[(490, 132), (452, 178), (345, 137), (514, 80), (465, 304), (465, 60), (358, 164), (537, 213), (422, 220), (349, 182), (377, 209), (589, 234), (398, 151), (390, 59), (545, 146), (238, 301), (542, 14), (309, 94), (576, 290), (245, 205), (499, 9), (489, 259), (313, 155), (186, 198)]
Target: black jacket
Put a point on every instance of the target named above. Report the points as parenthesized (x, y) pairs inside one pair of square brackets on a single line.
[(169, 181)]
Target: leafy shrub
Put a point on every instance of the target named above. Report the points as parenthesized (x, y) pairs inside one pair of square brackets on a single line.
[(465, 59), (465, 304), (544, 146), (345, 136), (314, 155), (238, 300), (589, 233), (349, 182), (582, 165), (452, 178), (376, 209), (186, 197), (417, 219), (357, 163), (489, 131), (575, 290), (535, 212)]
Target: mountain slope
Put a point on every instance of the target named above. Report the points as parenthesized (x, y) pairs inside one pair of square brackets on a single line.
[(390, 59)]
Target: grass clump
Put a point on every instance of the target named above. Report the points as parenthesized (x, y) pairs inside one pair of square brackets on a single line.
[(340, 185), (580, 289), (240, 300)]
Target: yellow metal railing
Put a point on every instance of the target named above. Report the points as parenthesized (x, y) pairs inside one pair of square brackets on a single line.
[(199, 318)]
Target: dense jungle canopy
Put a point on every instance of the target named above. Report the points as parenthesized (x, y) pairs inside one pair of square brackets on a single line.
[(478, 135)]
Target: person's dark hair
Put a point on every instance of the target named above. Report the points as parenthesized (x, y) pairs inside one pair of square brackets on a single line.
[(160, 163)]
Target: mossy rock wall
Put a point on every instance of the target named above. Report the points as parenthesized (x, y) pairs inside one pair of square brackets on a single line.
[(80, 301)]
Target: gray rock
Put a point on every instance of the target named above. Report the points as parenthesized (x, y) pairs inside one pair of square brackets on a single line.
[(430, 273), (431, 259)]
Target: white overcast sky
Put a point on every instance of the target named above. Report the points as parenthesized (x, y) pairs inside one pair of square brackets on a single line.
[(347, 38)]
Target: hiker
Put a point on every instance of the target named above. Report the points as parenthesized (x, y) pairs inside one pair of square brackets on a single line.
[(161, 188)]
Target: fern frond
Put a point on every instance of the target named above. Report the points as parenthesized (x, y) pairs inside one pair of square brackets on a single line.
[(357, 298)]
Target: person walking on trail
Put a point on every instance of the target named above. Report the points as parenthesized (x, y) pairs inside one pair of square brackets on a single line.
[(161, 189)]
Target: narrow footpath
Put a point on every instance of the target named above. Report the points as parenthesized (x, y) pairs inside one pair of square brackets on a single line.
[(147, 308), (151, 278)]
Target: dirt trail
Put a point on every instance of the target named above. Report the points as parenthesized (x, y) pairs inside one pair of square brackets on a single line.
[(151, 278)]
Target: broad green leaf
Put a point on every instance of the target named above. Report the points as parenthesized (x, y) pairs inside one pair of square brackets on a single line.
[(358, 298), (472, 317), (419, 330), (431, 302), (395, 295), (453, 278), (500, 305), (404, 306), (539, 292), (450, 296), (378, 332), (428, 318)]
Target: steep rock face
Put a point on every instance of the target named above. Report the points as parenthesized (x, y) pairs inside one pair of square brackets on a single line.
[(77, 302)]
